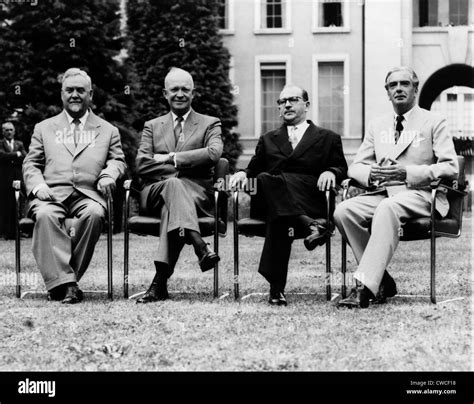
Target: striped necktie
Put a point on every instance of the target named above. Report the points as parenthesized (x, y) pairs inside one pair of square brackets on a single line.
[(398, 128)]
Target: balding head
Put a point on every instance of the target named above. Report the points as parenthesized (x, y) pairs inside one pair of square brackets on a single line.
[(178, 91), (8, 130)]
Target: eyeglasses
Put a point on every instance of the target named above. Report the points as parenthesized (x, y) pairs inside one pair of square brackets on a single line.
[(293, 100)]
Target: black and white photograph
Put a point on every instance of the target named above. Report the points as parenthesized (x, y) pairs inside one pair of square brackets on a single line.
[(236, 201)]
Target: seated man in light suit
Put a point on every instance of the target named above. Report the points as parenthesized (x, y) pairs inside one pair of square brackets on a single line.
[(175, 161), (74, 160), (401, 154)]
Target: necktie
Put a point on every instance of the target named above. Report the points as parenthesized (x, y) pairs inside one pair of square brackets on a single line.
[(77, 130), (292, 137), (398, 127), (178, 130)]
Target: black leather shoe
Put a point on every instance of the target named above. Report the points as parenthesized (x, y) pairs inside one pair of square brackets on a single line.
[(277, 297), (388, 288), (317, 236), (73, 295), (207, 258), (359, 297), (57, 294), (157, 291)]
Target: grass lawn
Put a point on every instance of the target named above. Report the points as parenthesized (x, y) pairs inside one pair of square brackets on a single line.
[(193, 331)]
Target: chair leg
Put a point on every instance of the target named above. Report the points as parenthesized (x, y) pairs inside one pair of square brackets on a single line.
[(236, 260), (126, 240), (328, 268), (110, 291), (343, 267), (433, 267), (216, 268), (17, 261)]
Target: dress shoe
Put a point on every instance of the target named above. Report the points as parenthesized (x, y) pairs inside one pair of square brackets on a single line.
[(207, 258), (157, 291), (277, 297), (73, 295), (388, 288), (57, 294), (359, 297), (317, 236)]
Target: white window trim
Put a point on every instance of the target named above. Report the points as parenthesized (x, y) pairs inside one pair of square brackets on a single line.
[(259, 59), (259, 30), (230, 30), (332, 57), (346, 12)]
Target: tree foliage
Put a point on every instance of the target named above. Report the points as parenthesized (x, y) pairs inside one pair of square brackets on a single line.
[(40, 41), (162, 34)]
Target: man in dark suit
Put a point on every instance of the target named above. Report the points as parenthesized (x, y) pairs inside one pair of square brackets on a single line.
[(175, 161), (74, 161), (12, 153), (294, 165)]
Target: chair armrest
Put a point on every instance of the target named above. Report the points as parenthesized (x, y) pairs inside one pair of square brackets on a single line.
[(450, 185)]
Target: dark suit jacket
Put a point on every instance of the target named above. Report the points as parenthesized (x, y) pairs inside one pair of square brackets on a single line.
[(319, 150)]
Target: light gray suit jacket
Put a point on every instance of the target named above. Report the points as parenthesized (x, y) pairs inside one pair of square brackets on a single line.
[(196, 156), (425, 148), (53, 158)]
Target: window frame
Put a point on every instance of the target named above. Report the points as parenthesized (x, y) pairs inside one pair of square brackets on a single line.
[(230, 30), (258, 16), (345, 9), (259, 59), (337, 58)]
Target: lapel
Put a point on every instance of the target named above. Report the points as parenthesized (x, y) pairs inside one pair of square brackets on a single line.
[(5, 144), (63, 132), (409, 133), (190, 126), (280, 138), (310, 137), (167, 131), (89, 133)]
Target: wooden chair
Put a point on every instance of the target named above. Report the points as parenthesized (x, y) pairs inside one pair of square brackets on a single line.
[(150, 225), (26, 225), (425, 228), (251, 227)]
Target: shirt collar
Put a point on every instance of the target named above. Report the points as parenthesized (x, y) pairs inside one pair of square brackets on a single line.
[(185, 116), (302, 125), (406, 115), (83, 118)]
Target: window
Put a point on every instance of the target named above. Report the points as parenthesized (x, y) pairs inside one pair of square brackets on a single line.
[(225, 10), (458, 11), (273, 79), (272, 16), (330, 15), (434, 13), (331, 96), (456, 104)]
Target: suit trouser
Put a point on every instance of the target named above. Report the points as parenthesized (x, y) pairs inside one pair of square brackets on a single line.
[(63, 257), (371, 224), (178, 213), (282, 209)]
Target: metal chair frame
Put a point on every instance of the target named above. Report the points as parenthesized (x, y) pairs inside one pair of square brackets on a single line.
[(432, 234), (330, 196), (21, 223), (218, 195)]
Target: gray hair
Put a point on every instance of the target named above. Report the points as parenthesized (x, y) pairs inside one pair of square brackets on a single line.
[(74, 71), (413, 76)]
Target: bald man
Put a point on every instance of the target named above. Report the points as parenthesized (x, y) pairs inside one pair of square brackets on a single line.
[(293, 165), (12, 153), (175, 161)]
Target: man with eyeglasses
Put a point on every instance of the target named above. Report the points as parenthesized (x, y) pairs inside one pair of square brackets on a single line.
[(293, 165), (175, 160), (402, 152)]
